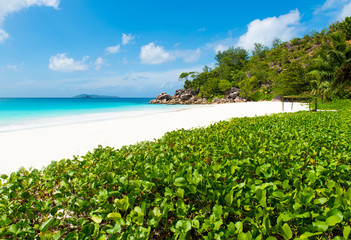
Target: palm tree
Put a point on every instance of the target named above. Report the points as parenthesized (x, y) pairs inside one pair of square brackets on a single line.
[(332, 69)]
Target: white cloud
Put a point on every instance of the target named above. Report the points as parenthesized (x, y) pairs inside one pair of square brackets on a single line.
[(113, 49), (10, 6), (153, 54), (329, 5), (3, 35), (99, 63), (60, 62), (345, 12), (127, 38), (284, 27)]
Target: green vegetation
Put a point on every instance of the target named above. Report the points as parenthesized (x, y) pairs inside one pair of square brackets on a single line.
[(285, 176), (319, 64)]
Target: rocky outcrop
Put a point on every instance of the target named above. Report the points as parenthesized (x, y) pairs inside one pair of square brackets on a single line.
[(277, 98), (182, 96), (163, 96)]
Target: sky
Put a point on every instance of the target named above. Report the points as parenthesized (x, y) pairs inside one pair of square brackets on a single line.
[(63, 48)]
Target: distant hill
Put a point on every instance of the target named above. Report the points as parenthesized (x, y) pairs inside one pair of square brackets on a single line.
[(94, 96)]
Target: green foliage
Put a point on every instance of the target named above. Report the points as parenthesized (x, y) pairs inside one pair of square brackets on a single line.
[(292, 81), (344, 26), (224, 85), (210, 88), (247, 87), (285, 176), (233, 57), (259, 50), (332, 69), (319, 63)]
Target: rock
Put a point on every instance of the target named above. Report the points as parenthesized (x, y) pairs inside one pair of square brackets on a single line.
[(238, 99), (163, 96), (172, 102), (153, 101), (179, 92), (216, 100), (191, 92), (277, 98), (185, 96), (233, 95)]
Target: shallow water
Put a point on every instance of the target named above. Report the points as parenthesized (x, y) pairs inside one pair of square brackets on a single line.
[(25, 113)]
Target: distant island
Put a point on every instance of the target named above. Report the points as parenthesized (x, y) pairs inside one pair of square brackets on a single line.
[(94, 96)]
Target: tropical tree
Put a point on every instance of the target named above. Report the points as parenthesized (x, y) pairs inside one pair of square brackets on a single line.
[(333, 66)]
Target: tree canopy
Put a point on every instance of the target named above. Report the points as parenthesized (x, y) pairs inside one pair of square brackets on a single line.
[(320, 62)]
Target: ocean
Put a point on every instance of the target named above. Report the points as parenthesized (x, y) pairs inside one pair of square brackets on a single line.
[(26, 113)]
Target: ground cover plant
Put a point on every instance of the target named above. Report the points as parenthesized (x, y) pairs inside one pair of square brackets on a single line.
[(285, 176)]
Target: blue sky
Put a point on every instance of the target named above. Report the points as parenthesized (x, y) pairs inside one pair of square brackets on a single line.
[(62, 48)]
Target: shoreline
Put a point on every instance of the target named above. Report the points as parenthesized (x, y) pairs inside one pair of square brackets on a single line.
[(37, 147)]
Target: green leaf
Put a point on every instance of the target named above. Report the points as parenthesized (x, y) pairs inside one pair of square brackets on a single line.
[(180, 182), (4, 176), (13, 229), (114, 215), (180, 192), (45, 226), (229, 198), (116, 229), (306, 235), (336, 218), (57, 235), (183, 226), (348, 194), (286, 231), (320, 201), (122, 204), (321, 226), (96, 219), (346, 232), (218, 210), (245, 236)]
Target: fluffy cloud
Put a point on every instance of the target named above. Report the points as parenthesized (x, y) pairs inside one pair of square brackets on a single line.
[(10, 6), (346, 11), (113, 49), (265, 31), (60, 62), (153, 54), (99, 63), (127, 38)]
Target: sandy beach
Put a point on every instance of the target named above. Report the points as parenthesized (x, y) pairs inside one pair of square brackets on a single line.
[(39, 146)]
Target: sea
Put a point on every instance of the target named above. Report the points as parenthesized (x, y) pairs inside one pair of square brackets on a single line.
[(27, 113)]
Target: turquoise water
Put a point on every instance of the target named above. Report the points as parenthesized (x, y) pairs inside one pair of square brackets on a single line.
[(24, 113)]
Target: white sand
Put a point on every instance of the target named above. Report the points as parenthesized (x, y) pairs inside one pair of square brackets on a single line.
[(38, 147)]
